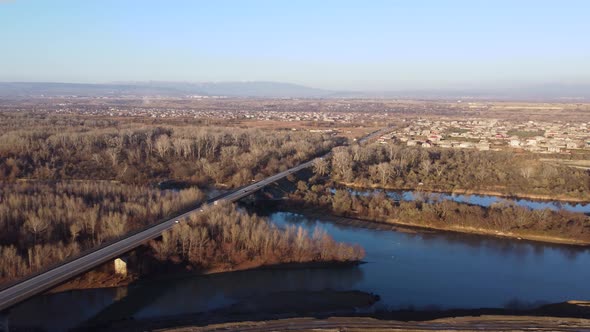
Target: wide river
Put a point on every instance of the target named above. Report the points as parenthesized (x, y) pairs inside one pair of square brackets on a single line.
[(407, 270)]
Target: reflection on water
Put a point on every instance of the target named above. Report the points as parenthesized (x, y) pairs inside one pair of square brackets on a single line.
[(453, 270), (407, 270), (58, 312), (481, 200), (211, 292), (174, 296)]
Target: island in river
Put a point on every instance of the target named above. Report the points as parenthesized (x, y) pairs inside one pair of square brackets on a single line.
[(506, 217), (407, 275)]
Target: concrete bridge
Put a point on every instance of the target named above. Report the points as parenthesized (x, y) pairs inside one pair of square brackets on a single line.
[(45, 280)]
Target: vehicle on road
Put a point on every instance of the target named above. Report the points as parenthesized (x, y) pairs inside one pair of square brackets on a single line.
[(43, 281)]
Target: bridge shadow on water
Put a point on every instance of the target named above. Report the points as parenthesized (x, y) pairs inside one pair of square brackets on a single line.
[(212, 298)]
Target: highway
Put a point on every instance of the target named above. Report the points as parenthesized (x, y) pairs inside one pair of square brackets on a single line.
[(46, 280)]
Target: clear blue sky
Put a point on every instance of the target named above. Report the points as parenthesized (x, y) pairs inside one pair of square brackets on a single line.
[(363, 45)]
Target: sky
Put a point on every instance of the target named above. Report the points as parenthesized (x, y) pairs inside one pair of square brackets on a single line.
[(345, 45)]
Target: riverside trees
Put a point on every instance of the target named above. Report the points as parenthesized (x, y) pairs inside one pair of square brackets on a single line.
[(399, 167), (68, 183), (224, 237), (428, 210)]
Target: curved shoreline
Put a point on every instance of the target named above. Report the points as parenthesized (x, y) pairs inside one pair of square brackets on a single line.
[(334, 310), (473, 320), (112, 281), (320, 213)]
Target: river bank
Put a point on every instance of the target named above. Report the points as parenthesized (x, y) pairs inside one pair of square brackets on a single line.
[(102, 279), (413, 227), (488, 192), (360, 324), (414, 272), (316, 311)]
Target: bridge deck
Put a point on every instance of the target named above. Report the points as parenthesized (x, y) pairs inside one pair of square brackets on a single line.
[(54, 276)]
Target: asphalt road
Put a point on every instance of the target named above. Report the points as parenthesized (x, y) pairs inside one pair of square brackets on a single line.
[(39, 283)]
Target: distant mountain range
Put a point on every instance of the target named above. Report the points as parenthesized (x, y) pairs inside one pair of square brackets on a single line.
[(548, 92), (545, 92), (164, 89)]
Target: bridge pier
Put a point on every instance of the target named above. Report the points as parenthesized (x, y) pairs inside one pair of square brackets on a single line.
[(4, 321), (37, 284), (121, 266)]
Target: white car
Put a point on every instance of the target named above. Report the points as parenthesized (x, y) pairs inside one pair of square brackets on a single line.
[(177, 221)]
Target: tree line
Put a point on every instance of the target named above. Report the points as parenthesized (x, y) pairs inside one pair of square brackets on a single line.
[(430, 210), (224, 237), (399, 167), (62, 147)]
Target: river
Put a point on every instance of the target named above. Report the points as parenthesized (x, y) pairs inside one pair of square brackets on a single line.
[(421, 270), (481, 200)]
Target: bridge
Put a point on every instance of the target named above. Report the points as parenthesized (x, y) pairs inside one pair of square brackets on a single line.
[(43, 281)]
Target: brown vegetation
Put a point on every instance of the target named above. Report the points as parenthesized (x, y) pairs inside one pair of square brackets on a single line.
[(431, 212), (399, 167), (69, 147), (223, 238), (44, 223), (69, 183)]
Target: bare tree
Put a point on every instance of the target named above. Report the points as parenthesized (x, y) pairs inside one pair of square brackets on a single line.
[(384, 172), (36, 225), (320, 166), (342, 164), (162, 145)]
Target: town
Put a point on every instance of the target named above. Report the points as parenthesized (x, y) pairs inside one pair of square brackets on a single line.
[(550, 129), (493, 134)]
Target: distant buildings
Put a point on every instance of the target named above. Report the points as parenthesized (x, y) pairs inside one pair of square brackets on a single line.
[(493, 134)]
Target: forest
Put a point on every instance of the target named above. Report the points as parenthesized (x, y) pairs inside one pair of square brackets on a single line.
[(52, 147), (44, 223), (393, 166), (224, 237), (69, 183)]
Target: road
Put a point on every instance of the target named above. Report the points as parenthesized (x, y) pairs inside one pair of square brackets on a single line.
[(42, 282)]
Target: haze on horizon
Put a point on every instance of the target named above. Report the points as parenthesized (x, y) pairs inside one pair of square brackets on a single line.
[(347, 45)]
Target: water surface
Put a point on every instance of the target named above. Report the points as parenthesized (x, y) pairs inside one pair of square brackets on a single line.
[(481, 200), (421, 271)]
